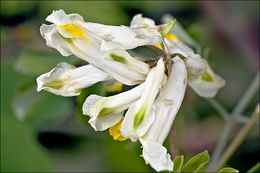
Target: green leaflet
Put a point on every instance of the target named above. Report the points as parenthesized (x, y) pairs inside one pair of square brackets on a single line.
[(197, 162), (167, 29), (255, 168), (178, 161)]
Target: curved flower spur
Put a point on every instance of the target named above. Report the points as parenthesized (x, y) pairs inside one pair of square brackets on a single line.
[(145, 112)]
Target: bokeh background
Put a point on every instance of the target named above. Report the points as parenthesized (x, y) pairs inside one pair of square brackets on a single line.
[(45, 132)]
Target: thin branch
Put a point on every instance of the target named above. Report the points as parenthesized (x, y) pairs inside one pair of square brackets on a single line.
[(238, 139), (221, 110), (223, 139), (252, 89)]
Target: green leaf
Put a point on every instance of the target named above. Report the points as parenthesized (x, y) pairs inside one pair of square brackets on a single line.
[(197, 162), (228, 170), (20, 152), (38, 62), (10, 81), (178, 161), (41, 109), (165, 30), (21, 107), (255, 168)]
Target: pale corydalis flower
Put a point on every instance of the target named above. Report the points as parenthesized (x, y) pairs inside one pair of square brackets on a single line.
[(201, 78), (67, 80), (166, 107), (145, 112), (102, 46)]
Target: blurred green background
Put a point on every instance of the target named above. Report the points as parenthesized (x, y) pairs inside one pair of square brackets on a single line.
[(45, 132)]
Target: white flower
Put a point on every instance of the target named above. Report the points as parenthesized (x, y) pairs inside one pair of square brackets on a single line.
[(166, 107), (105, 112), (153, 104), (200, 76), (100, 45), (139, 116), (208, 84), (67, 80)]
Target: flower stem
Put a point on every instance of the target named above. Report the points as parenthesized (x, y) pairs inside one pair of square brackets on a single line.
[(231, 121), (238, 139), (221, 110)]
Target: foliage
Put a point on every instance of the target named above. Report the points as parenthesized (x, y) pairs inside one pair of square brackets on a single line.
[(198, 163)]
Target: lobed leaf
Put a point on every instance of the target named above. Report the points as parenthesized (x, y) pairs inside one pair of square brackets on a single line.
[(255, 168), (197, 162), (178, 162)]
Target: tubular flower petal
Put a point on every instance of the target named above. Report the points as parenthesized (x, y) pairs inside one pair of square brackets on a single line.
[(67, 80), (166, 107), (123, 37), (196, 66), (95, 43), (153, 104), (208, 84), (139, 117), (145, 27), (201, 78), (113, 86), (105, 112)]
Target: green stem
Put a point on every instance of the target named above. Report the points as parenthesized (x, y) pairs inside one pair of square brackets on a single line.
[(238, 139), (221, 110), (223, 139)]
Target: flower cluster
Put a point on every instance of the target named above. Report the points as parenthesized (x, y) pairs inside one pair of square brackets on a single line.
[(145, 112)]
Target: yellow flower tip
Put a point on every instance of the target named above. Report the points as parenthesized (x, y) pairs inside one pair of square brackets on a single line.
[(158, 46), (115, 131), (172, 37), (74, 30), (117, 87)]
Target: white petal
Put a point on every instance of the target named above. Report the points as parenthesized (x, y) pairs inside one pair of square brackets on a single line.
[(92, 54), (177, 46), (138, 117), (122, 37), (140, 21), (67, 80), (115, 69), (168, 102), (129, 61), (105, 122), (59, 17), (88, 47), (207, 88), (54, 39), (104, 111), (156, 155), (195, 66), (166, 108)]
